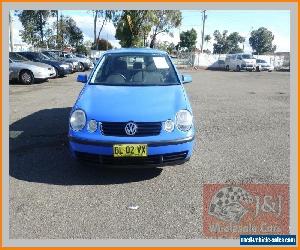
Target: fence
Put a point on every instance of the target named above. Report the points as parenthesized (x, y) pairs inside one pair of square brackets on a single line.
[(214, 61)]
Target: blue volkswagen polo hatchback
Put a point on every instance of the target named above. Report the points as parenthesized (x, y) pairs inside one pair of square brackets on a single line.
[(133, 110)]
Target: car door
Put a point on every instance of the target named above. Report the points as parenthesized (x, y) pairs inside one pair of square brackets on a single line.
[(238, 61), (233, 62)]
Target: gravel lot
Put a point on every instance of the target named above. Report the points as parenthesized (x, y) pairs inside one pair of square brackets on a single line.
[(242, 121)]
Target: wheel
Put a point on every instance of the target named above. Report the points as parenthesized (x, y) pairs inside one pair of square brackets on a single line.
[(257, 69), (238, 68), (81, 67), (227, 68), (26, 77), (56, 72)]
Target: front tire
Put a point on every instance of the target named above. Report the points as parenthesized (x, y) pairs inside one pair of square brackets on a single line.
[(238, 68), (227, 68), (257, 69), (81, 67), (26, 77), (56, 73)]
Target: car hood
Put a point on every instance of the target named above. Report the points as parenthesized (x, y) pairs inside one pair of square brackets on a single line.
[(127, 103), (264, 64), (52, 62), (250, 61), (70, 60), (29, 64)]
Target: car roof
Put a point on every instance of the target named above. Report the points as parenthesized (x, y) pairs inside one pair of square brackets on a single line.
[(135, 50)]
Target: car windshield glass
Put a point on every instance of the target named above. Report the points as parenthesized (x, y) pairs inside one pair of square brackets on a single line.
[(247, 56), (16, 57), (135, 70), (49, 55), (41, 56)]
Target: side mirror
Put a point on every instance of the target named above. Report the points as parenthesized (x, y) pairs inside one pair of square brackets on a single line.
[(82, 78), (186, 79)]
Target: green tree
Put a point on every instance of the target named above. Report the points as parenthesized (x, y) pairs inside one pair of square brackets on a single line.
[(162, 22), (102, 44), (233, 40), (207, 38), (69, 33), (81, 49), (188, 39), (106, 16), (132, 27), (75, 35), (261, 41), (34, 24), (227, 44), (166, 46)]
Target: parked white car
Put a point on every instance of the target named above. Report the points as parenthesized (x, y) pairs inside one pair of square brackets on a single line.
[(262, 65), (240, 61)]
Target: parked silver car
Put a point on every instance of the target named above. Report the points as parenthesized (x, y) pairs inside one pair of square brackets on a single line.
[(84, 62), (54, 54), (27, 71)]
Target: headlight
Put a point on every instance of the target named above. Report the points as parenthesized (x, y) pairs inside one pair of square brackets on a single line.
[(75, 63), (184, 120), (78, 120), (65, 66), (168, 125), (92, 126)]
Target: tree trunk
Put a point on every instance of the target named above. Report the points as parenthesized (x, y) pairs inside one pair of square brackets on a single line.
[(103, 22), (11, 33), (41, 26), (153, 40), (57, 29), (95, 26)]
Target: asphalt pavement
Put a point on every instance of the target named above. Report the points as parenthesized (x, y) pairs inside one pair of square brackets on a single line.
[(242, 136)]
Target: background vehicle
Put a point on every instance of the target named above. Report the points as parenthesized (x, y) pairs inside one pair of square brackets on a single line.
[(240, 62), (61, 68), (262, 65), (27, 71), (84, 62), (55, 55)]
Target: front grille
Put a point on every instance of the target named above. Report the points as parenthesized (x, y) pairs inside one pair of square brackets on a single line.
[(49, 68), (118, 128), (148, 160)]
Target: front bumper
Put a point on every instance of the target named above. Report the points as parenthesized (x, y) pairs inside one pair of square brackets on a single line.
[(45, 74), (160, 153), (267, 68), (248, 67)]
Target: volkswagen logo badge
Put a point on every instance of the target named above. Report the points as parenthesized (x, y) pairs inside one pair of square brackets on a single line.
[(130, 128)]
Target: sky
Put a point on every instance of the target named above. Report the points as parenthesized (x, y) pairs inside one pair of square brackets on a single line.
[(241, 21)]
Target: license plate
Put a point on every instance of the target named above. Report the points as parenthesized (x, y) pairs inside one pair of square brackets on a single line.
[(130, 150)]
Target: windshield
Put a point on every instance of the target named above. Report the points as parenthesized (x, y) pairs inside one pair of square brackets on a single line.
[(135, 70), (50, 55), (16, 57), (42, 56), (247, 57)]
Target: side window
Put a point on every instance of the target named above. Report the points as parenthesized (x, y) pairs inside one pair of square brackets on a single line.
[(28, 56), (101, 71), (239, 57)]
